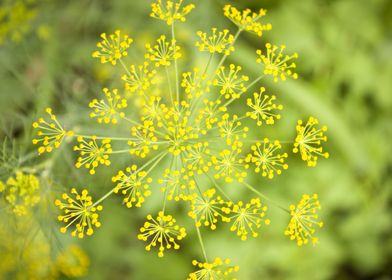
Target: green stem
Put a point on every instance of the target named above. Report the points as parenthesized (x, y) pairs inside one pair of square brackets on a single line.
[(201, 243), (175, 64), (265, 197)]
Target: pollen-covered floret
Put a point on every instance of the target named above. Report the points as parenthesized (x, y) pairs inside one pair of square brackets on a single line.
[(92, 154), (231, 129), (231, 83), (207, 209), (112, 47), (79, 212), (266, 159), (50, 133), (139, 78), (304, 220), (109, 110), (248, 217), (308, 141), (264, 109), (144, 139), (163, 52), (161, 231), (177, 184), (247, 20), (217, 270), (277, 64), (170, 11), (229, 164), (133, 184), (216, 42)]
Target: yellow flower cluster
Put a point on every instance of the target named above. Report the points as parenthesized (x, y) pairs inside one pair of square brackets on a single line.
[(161, 231), (231, 83), (248, 217), (92, 154), (247, 20), (110, 110), (208, 208), (80, 211), (134, 185), (264, 108), (266, 159), (217, 270), (217, 42), (187, 131), (50, 133), (308, 141), (163, 52), (21, 192), (276, 64), (112, 47), (304, 220), (170, 11)]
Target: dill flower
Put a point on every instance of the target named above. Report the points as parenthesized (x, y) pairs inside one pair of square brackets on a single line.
[(134, 185), (50, 133), (231, 129), (308, 141), (113, 47), (247, 20), (208, 208), (21, 192), (144, 139), (231, 83), (139, 79), (171, 12), (229, 164), (178, 184), (276, 64), (79, 211), (248, 218), (217, 42), (108, 111), (73, 262), (161, 231), (197, 158), (193, 83), (264, 108), (163, 52), (304, 220), (266, 159), (91, 154), (217, 270)]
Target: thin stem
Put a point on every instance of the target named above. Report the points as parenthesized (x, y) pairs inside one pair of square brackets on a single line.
[(201, 243), (264, 197), (165, 194), (218, 187), (169, 84), (254, 82), (175, 64), (103, 198), (125, 67), (104, 137), (208, 64), (232, 44)]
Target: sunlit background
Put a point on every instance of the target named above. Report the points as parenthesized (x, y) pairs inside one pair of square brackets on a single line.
[(345, 79)]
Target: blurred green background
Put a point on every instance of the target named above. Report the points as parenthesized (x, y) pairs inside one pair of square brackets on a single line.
[(345, 69)]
